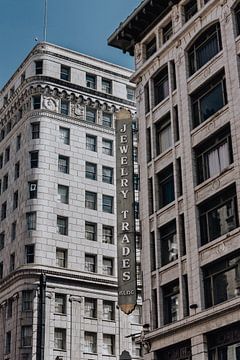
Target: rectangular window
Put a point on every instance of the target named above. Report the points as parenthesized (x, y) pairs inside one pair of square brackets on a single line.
[(237, 18), (209, 99), (35, 130), (60, 339), (26, 336), (7, 155), (91, 171), (60, 303), (161, 86), (36, 102), (63, 194), (107, 86), (90, 231), (14, 231), (91, 115), (107, 119), (90, 342), (166, 186), (64, 135), (167, 32), (61, 257), (107, 266), (2, 240), (151, 47), (107, 204), (1, 270), (29, 253), (27, 300), (171, 302), (163, 134), (8, 342), (39, 67), (17, 170), (32, 187), (4, 211), (90, 308), (91, 200), (31, 218), (5, 182), (18, 142), (33, 159), (147, 98), (12, 262), (107, 234), (190, 9), (1, 161), (23, 77), (218, 215), (91, 143), (107, 147), (108, 310), (15, 200), (65, 73), (91, 81), (130, 93), (90, 263), (64, 107), (63, 164), (214, 155), (168, 240), (62, 225), (108, 344), (107, 175)]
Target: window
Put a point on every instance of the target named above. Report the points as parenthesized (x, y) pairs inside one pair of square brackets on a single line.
[(63, 194), (166, 186), (13, 231), (36, 102), (223, 343), (207, 100), (190, 9), (221, 280), (29, 253), (64, 107), (130, 93), (167, 32), (60, 339), (27, 300), (23, 77), (8, 342), (65, 73), (31, 220), (168, 240), (91, 200), (62, 225), (171, 302), (91, 143), (60, 303), (107, 147), (61, 257), (64, 135), (108, 310), (91, 171), (204, 48), (90, 263), (90, 308), (15, 200), (7, 155), (147, 98), (1, 161), (39, 67), (107, 175), (90, 231), (17, 170), (163, 134), (237, 18), (33, 159), (18, 142), (218, 215), (12, 262), (2, 240), (90, 342), (4, 211), (214, 155), (107, 234), (136, 182), (12, 90), (161, 86), (151, 47), (91, 115), (107, 86), (107, 119), (1, 270), (8, 127), (107, 266), (107, 204), (91, 81), (63, 164), (32, 187), (108, 345), (26, 335), (5, 182)]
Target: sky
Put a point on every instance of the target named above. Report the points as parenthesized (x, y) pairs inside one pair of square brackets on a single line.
[(80, 25)]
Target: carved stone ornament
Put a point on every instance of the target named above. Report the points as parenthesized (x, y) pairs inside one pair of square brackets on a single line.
[(50, 103), (79, 110)]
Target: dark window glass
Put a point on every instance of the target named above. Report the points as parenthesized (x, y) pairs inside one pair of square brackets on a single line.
[(107, 234), (90, 263), (190, 9), (63, 194), (146, 98), (91, 231), (107, 147), (34, 159), (29, 253), (171, 302), (17, 170), (91, 171), (91, 200), (107, 175), (91, 115), (27, 300), (36, 102), (163, 134), (107, 119), (107, 266), (168, 239), (91, 143), (61, 257), (35, 130), (62, 225), (161, 86), (91, 81), (64, 135), (166, 186), (107, 86), (167, 32), (151, 47), (90, 308), (39, 67), (60, 303), (31, 220), (32, 186), (65, 107), (65, 73), (2, 240), (237, 17), (107, 203), (4, 211), (63, 164)]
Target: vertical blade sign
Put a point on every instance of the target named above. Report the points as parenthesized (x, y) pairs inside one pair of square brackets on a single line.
[(125, 213)]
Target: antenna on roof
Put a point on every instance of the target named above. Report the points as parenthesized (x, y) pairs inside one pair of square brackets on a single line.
[(45, 21)]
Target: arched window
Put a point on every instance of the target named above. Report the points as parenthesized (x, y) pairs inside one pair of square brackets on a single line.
[(205, 47)]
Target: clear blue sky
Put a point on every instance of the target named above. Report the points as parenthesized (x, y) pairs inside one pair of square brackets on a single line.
[(81, 25)]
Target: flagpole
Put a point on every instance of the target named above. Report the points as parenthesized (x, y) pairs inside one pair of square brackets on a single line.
[(45, 21)]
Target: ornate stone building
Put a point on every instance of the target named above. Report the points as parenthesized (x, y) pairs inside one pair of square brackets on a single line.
[(188, 94), (58, 283)]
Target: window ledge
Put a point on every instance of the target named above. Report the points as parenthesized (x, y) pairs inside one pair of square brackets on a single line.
[(90, 353), (109, 321), (161, 103), (60, 350), (204, 67), (61, 314), (165, 208), (213, 178), (163, 154), (220, 239), (90, 318)]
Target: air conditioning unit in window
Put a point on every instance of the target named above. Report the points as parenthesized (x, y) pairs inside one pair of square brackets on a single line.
[(59, 358), (33, 187)]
